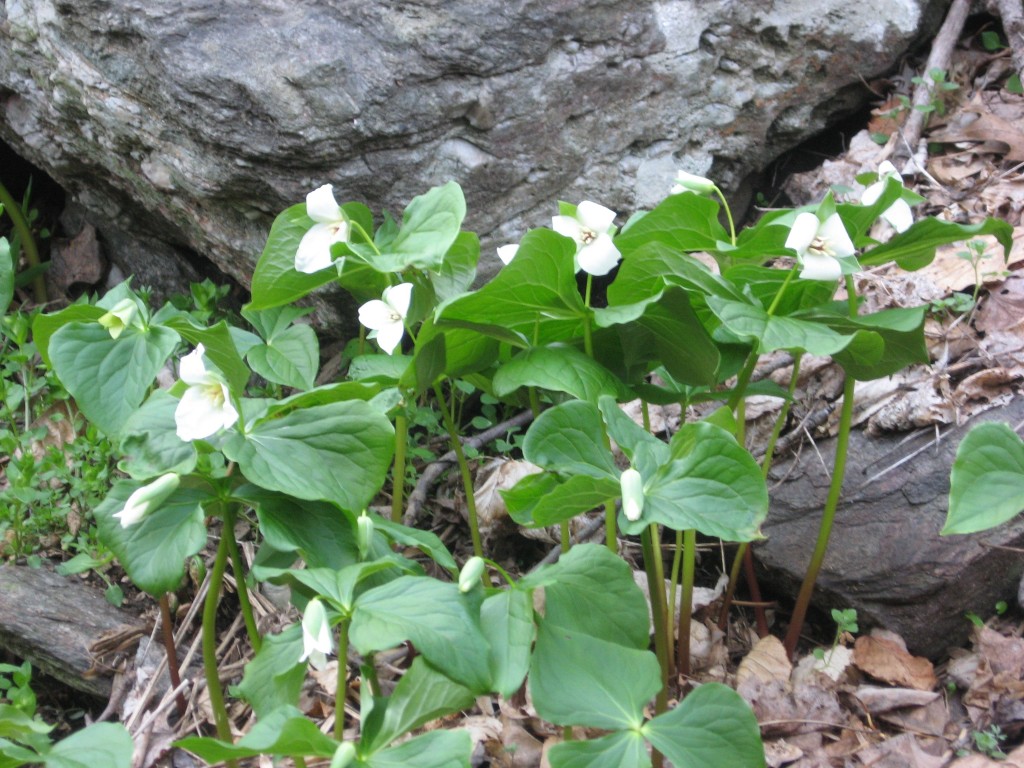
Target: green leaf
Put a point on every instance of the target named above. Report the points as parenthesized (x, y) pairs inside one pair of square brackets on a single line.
[(559, 369), (153, 551), (430, 225), (534, 295), (458, 270), (569, 438), (427, 542), (900, 341), (433, 615), (576, 679), (109, 378), (591, 590), (337, 452), (44, 326), (275, 675), (645, 273), (772, 332), (422, 695), (6, 275), (149, 442), (340, 586), (915, 248), (435, 749), (275, 280), (685, 222), (507, 622), (285, 731), (290, 357), (712, 485), (571, 497), (713, 726), (622, 749), (218, 343), (986, 486), (106, 744), (428, 365)]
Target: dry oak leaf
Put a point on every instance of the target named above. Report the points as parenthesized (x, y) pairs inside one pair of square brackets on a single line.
[(885, 660), (766, 661)]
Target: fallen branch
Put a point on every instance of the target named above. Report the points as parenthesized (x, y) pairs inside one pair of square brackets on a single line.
[(1012, 14)]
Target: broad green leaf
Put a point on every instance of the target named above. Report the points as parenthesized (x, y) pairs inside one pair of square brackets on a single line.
[(428, 365), (6, 276), (772, 332), (458, 270), (915, 248), (569, 438), (576, 679), (285, 731), (524, 496), (712, 485), (559, 369), (106, 744), (434, 749), (986, 486), (44, 326), (14, 756), (713, 726), (422, 695), (685, 222), (153, 551), (317, 530), (109, 378), (218, 343), (466, 350), (338, 452), (383, 369), (534, 296), (507, 622), (645, 273), (680, 341), (290, 357), (622, 749), (339, 586), (328, 393), (434, 616), (275, 280), (571, 497), (900, 333), (593, 592), (430, 225), (274, 676), (426, 542), (149, 442), (16, 724), (634, 441)]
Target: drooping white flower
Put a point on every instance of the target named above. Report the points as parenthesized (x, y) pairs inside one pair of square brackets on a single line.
[(314, 252), (819, 245), (899, 215), (147, 498), (385, 317), (689, 182), (591, 228), (471, 574), (205, 407), (316, 634), (124, 313), (507, 252), (632, 484)]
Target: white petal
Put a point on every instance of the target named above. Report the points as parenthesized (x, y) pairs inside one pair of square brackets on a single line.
[(321, 205), (199, 415), (390, 336), (191, 369), (228, 414), (872, 193), (375, 314), (595, 217), (885, 168), (803, 232), (132, 512), (600, 257), (820, 267), (316, 634), (566, 225), (899, 215), (834, 233), (314, 251), (507, 252), (398, 298)]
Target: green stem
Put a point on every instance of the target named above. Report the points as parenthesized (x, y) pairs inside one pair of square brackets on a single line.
[(677, 562), (172, 651), (656, 588), (255, 640), (341, 693), (467, 477), (299, 760), (216, 693), (28, 243), (398, 468), (803, 600), (728, 215), (686, 602)]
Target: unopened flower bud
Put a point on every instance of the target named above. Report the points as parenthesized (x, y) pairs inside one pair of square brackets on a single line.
[(470, 574), (147, 498), (120, 317), (343, 755), (364, 533), (688, 182), (632, 484)]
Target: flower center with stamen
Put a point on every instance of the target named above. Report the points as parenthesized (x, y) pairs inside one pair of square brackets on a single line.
[(820, 246), (587, 236)]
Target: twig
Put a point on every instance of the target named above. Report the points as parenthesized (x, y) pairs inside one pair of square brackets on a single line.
[(1010, 11), (418, 497), (939, 58)]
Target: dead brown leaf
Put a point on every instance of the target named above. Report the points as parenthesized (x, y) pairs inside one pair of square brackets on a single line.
[(883, 659), (974, 122)]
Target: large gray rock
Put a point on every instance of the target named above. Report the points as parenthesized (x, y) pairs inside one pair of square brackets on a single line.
[(193, 122), (886, 558)]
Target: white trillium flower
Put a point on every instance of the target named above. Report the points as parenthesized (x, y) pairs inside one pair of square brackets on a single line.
[(316, 634), (591, 228), (819, 245), (205, 407), (124, 313), (314, 252), (147, 498), (507, 252), (385, 317), (689, 182), (899, 215), (632, 484)]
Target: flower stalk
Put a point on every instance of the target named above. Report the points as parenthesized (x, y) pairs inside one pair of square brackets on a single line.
[(209, 643), (467, 476)]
